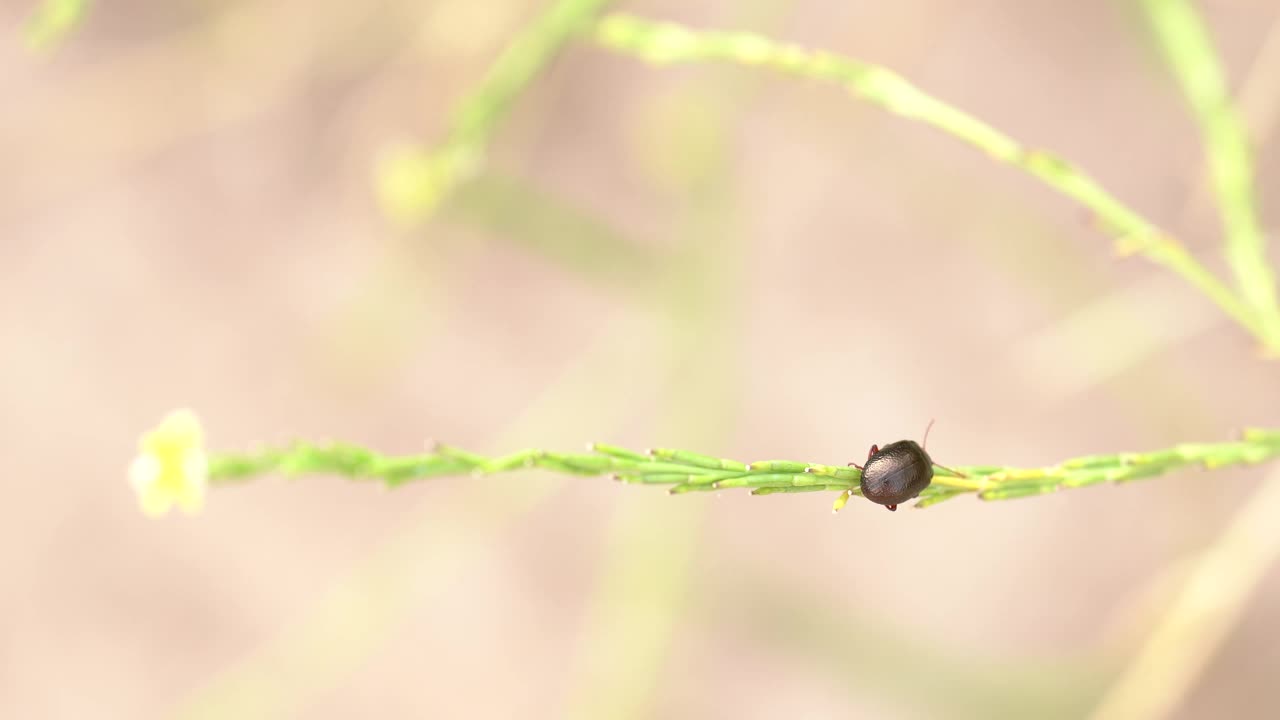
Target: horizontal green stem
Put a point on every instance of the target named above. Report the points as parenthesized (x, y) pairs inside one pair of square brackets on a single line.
[(692, 472), (662, 42)]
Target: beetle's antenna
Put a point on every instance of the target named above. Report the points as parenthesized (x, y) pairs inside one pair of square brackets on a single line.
[(927, 428)]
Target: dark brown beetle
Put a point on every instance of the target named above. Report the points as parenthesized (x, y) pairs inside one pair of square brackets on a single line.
[(897, 473)]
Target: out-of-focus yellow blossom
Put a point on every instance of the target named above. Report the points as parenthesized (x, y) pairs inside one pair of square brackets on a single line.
[(171, 467)]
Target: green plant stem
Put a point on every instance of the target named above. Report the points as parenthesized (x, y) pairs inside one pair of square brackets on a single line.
[(692, 472), (413, 181), (1198, 69), (663, 42)]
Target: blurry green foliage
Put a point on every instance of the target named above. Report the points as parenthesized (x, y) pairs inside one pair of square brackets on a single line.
[(413, 179), (51, 22)]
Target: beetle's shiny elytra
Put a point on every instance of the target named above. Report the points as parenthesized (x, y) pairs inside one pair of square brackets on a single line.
[(896, 473), (899, 472)]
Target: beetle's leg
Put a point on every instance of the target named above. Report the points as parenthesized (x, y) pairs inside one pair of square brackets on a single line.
[(855, 465), (874, 449), (892, 508)]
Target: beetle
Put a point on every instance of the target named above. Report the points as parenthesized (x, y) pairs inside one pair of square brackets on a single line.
[(898, 472)]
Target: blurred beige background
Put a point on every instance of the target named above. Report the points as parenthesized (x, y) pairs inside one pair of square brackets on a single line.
[(700, 257)]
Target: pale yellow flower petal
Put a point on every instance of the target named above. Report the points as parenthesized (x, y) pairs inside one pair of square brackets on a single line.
[(155, 503), (196, 468), (171, 467), (143, 472)]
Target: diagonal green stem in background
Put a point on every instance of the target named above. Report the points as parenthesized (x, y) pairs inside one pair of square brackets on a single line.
[(862, 649), (413, 181), (662, 42), (1198, 69), (52, 21), (691, 472), (1201, 615), (547, 226)]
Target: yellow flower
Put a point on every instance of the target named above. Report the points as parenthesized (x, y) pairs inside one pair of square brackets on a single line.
[(171, 467)]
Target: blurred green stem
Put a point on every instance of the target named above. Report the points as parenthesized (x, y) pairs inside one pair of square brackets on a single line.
[(1187, 47), (51, 22), (568, 237), (663, 42), (1199, 618), (414, 180), (863, 649)]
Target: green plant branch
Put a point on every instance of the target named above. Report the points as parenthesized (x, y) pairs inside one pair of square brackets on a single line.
[(413, 181), (1198, 69), (663, 42), (686, 472)]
